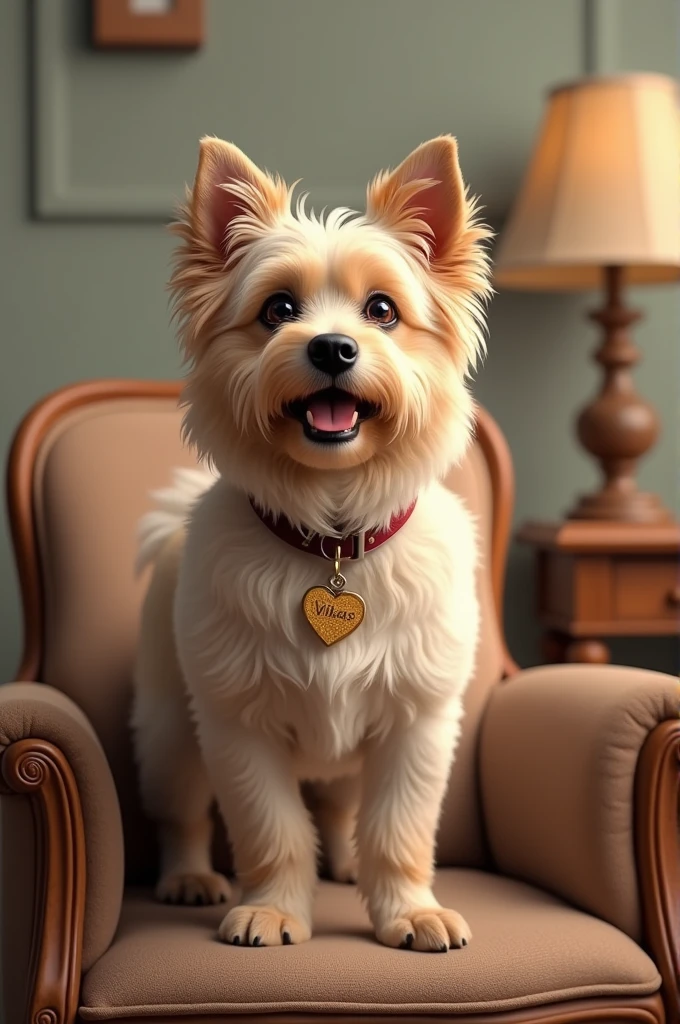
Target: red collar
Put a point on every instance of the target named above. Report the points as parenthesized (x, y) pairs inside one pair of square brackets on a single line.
[(352, 547)]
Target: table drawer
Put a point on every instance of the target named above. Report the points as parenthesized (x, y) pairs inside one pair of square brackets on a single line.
[(646, 588)]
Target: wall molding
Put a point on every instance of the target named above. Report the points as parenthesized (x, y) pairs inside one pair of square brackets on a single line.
[(57, 197)]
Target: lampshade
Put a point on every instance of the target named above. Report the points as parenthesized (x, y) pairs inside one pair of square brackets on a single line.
[(602, 188)]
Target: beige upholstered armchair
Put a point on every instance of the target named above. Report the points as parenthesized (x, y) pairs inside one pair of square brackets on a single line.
[(558, 841)]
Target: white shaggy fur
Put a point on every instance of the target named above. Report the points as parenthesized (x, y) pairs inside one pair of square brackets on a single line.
[(374, 720), (173, 508)]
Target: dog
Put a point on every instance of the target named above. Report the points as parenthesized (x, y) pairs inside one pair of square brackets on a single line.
[(311, 616)]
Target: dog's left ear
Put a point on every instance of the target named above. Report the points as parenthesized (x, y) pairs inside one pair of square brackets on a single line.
[(424, 199)]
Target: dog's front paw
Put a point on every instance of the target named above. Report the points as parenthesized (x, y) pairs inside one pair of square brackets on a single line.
[(262, 926), (193, 888), (426, 929)]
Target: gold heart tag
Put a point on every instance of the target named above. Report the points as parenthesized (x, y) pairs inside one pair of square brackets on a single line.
[(332, 616)]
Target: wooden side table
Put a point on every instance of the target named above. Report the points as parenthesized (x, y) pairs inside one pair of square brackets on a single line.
[(604, 579)]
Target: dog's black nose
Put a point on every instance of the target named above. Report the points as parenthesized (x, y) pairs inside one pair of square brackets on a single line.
[(333, 353)]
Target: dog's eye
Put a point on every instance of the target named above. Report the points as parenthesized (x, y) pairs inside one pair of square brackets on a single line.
[(381, 310), (277, 310)]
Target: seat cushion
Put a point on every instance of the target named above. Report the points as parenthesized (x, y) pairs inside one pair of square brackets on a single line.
[(528, 948)]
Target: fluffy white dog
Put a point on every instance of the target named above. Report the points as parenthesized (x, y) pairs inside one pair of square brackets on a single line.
[(326, 390)]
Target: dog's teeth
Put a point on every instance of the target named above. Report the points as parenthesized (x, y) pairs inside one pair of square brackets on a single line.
[(355, 417), (310, 418)]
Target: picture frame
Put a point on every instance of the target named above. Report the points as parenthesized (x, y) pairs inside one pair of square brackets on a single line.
[(148, 24)]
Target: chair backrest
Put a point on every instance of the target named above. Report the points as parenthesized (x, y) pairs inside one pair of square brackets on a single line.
[(81, 468)]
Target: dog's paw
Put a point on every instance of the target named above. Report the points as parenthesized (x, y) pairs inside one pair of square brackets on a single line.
[(262, 926), (193, 889), (426, 929)]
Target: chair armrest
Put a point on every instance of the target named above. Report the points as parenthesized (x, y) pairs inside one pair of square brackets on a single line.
[(50, 753), (559, 750)]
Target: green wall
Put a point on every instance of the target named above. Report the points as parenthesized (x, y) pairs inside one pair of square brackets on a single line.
[(93, 146)]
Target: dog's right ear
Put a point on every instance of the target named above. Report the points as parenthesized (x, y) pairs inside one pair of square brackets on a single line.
[(424, 199), (232, 199)]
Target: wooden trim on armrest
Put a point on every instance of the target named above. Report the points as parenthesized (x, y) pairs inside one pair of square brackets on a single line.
[(39, 770), (657, 836)]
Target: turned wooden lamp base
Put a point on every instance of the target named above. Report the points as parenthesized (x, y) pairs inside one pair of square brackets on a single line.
[(618, 427), (628, 507)]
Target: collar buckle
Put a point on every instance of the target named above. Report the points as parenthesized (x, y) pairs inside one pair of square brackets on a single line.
[(358, 546)]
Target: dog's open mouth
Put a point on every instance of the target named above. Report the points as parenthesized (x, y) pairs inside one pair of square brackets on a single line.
[(331, 415)]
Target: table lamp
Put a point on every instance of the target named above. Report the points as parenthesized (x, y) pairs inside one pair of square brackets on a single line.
[(600, 206)]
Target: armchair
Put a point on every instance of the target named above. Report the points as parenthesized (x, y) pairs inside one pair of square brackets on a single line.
[(559, 838)]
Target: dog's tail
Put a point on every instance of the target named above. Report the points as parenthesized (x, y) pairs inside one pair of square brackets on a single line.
[(173, 506)]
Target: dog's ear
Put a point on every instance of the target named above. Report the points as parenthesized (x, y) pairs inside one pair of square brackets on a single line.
[(231, 193), (424, 199)]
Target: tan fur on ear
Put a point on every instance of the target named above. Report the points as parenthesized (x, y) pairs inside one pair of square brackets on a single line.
[(232, 198), (424, 199), (231, 204), (425, 204)]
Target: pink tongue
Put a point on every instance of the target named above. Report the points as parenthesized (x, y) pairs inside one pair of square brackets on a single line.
[(332, 414)]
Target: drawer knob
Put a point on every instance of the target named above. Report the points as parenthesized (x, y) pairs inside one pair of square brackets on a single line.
[(674, 596)]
